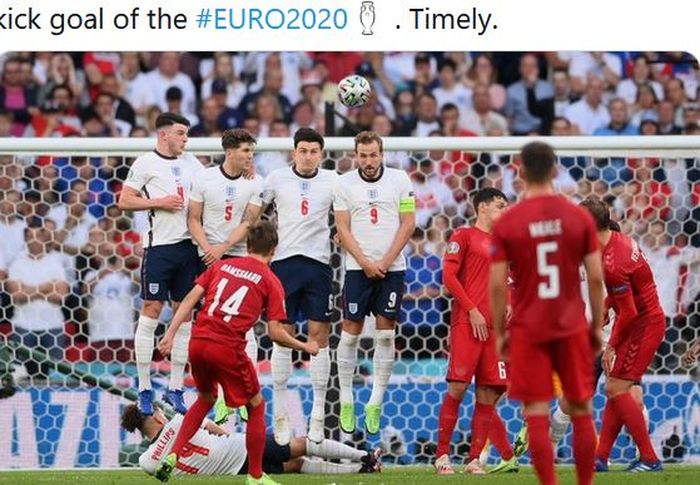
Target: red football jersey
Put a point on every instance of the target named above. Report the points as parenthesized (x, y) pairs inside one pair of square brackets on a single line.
[(468, 258), (545, 239), (627, 271), (237, 290)]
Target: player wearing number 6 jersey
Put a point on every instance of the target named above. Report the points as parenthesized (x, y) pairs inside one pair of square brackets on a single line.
[(472, 348), (545, 238), (235, 293), (302, 196), (375, 217)]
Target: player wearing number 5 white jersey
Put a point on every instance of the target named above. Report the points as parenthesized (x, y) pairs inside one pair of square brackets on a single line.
[(303, 196), (159, 182), (375, 217)]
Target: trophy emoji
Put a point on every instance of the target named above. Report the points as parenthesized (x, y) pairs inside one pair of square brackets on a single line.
[(367, 17)]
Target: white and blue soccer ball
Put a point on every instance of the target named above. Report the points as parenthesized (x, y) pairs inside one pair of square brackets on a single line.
[(354, 91)]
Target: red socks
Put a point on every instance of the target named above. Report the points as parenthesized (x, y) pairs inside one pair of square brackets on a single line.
[(629, 412), (584, 448), (255, 439), (499, 436), (612, 424), (481, 424), (449, 412), (541, 450), (192, 422)]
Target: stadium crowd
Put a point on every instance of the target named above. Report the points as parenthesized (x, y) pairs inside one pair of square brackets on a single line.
[(81, 243)]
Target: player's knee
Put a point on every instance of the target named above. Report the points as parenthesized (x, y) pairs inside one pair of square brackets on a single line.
[(209, 397), (256, 401), (457, 389), (318, 332), (152, 308), (615, 387), (579, 408), (487, 395), (384, 337), (352, 327)]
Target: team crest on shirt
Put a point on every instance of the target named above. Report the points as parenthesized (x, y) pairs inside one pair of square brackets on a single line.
[(230, 192), (153, 288), (176, 171), (352, 307), (372, 194), (453, 247), (305, 187)]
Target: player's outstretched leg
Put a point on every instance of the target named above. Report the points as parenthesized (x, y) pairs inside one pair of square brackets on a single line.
[(255, 442), (281, 370), (347, 361), (383, 364), (143, 350), (320, 373), (221, 410), (178, 357)]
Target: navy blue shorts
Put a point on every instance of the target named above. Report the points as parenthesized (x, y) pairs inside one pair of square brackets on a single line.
[(274, 457), (308, 288), (168, 272), (362, 295)]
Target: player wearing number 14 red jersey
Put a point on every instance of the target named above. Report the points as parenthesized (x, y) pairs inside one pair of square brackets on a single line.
[(472, 346), (544, 239), (235, 293)]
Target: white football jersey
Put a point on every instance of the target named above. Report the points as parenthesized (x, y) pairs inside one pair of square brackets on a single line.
[(156, 176), (375, 208), (303, 204), (224, 200), (208, 454)]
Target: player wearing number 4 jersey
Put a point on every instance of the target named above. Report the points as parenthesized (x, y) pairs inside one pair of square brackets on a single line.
[(472, 348), (545, 238), (375, 217), (302, 196), (159, 182), (235, 293)]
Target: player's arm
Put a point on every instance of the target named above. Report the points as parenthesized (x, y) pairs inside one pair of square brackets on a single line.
[(214, 428), (350, 244), (280, 336), (182, 315), (498, 292), (130, 199), (453, 261), (594, 273), (250, 216), (692, 354), (194, 224), (626, 313), (407, 224)]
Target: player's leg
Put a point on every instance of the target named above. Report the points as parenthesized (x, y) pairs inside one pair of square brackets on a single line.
[(367, 462), (144, 346), (185, 263), (281, 361), (573, 360), (221, 410), (356, 292), (638, 395), (385, 303)]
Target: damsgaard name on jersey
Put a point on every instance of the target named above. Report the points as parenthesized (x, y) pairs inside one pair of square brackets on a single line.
[(240, 273)]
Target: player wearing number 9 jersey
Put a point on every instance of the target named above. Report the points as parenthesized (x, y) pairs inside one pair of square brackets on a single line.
[(544, 239), (375, 217), (235, 293)]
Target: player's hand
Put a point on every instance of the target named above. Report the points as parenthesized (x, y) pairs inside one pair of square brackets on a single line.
[(478, 322), (172, 203), (372, 270), (311, 348), (608, 359), (249, 171), (596, 337), (214, 254), (165, 346), (509, 313), (692, 354), (502, 345)]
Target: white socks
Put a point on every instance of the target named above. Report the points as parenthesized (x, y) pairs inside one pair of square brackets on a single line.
[(251, 346), (330, 449), (383, 363), (559, 425), (346, 354), (178, 356), (281, 370), (320, 372), (328, 468), (143, 349)]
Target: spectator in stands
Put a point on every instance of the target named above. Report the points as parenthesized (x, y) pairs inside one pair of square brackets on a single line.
[(272, 85), (62, 98), (266, 109), (168, 75), (228, 117), (644, 107), (691, 117), (111, 311), (426, 116), (589, 113), (96, 65), (174, 102), (62, 71), (641, 76), (50, 121), (404, 108), (105, 107), (649, 128), (304, 116), (122, 109), (16, 98), (522, 121), (134, 85), (251, 124), (483, 119), (424, 79), (339, 64), (11, 226), (6, 120), (208, 120), (674, 92), (549, 108), (482, 71), (450, 89), (74, 220), (224, 72), (385, 128), (667, 119), (37, 285), (432, 194), (603, 66), (619, 121)]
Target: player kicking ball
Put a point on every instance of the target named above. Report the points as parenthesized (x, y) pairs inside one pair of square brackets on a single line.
[(235, 293), (213, 451), (472, 347), (375, 217)]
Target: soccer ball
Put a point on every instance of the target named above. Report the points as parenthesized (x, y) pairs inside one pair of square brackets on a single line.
[(354, 91)]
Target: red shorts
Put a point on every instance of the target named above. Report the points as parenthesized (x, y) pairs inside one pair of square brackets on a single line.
[(634, 354), (470, 357), (532, 364), (212, 363)]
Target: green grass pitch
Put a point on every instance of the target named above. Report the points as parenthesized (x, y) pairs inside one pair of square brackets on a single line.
[(406, 475)]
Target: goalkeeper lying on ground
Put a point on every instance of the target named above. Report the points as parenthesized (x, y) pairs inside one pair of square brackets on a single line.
[(213, 451)]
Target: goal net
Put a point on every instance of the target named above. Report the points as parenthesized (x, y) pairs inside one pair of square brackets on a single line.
[(72, 360)]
